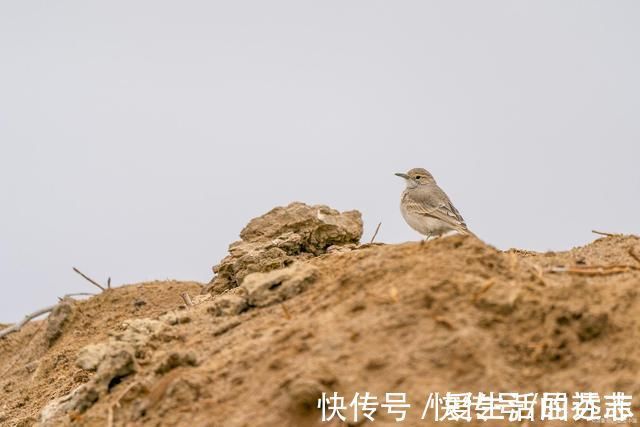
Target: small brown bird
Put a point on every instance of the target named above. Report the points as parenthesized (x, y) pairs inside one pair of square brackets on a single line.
[(426, 208)]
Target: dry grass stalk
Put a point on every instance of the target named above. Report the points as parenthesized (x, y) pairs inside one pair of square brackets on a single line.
[(89, 279), (375, 233), (602, 233), (484, 288), (27, 318), (596, 270), (444, 322), (116, 404)]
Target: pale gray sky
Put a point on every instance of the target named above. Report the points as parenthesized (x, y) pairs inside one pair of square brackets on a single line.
[(138, 137)]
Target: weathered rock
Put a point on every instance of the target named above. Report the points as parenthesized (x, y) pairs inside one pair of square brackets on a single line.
[(112, 360), (283, 235), (78, 401), (119, 363), (139, 331), (228, 305), (175, 360), (175, 317), (275, 286), (56, 321), (319, 226), (90, 356)]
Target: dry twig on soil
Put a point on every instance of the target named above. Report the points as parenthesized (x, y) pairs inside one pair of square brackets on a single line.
[(595, 270), (116, 404), (75, 294), (16, 327), (375, 233), (484, 288), (602, 233), (93, 282), (27, 318)]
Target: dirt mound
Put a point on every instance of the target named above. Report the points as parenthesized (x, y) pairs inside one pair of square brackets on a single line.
[(452, 314)]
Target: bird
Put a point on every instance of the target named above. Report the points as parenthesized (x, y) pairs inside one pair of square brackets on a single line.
[(427, 208)]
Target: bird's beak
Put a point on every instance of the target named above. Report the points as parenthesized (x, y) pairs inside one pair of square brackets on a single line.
[(402, 175)]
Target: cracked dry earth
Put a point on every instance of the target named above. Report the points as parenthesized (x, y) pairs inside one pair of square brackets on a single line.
[(452, 314)]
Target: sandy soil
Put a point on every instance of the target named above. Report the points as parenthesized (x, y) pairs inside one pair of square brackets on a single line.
[(452, 314)]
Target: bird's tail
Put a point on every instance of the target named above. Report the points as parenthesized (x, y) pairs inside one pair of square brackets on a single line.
[(469, 232)]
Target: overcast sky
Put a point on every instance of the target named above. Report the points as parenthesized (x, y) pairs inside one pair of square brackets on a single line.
[(137, 138)]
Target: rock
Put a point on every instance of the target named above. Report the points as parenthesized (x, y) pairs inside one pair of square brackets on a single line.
[(90, 356), (111, 360), (268, 288), (500, 298), (133, 336), (118, 363), (228, 305), (139, 302), (175, 318), (56, 321), (78, 401), (176, 359), (138, 332), (283, 235)]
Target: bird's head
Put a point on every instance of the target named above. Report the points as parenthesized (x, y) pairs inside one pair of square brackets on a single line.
[(416, 177)]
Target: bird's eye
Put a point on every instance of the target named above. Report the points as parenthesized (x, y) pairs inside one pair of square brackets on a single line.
[(418, 177)]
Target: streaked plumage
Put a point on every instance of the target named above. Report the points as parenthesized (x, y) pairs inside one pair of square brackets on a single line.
[(426, 208)]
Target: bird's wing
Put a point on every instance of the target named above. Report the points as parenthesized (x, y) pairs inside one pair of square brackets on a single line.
[(435, 203)]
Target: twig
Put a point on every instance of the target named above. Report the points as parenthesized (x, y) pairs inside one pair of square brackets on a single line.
[(116, 404), (602, 233), (124, 392), (88, 278), (109, 283), (443, 321), (76, 294), (595, 270), (375, 233), (187, 299), (634, 255), (484, 288), (27, 318)]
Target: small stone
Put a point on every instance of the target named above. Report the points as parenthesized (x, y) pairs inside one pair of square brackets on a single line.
[(268, 288), (139, 303), (176, 359), (228, 305)]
